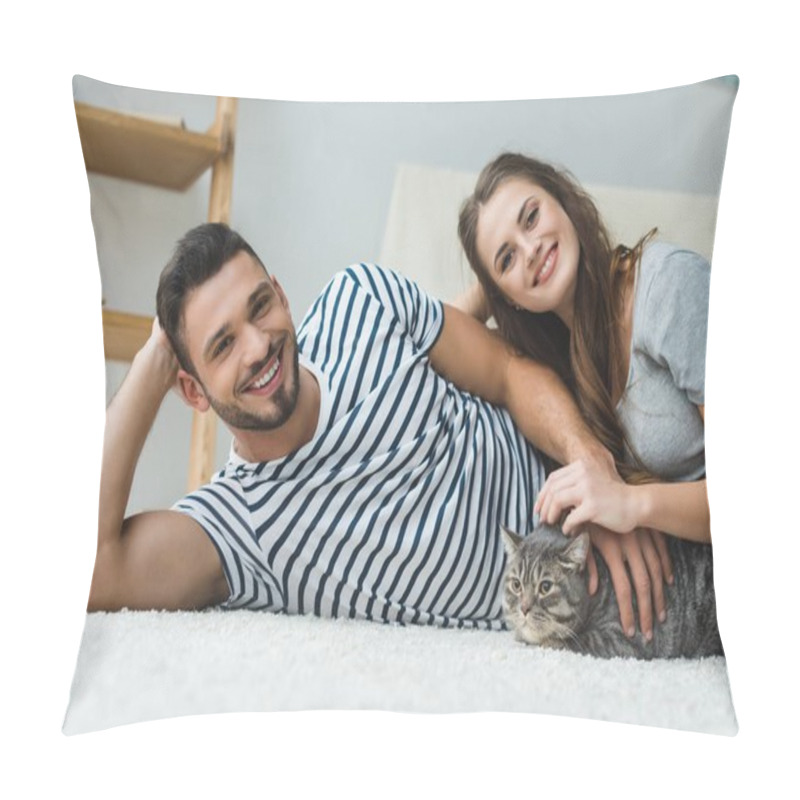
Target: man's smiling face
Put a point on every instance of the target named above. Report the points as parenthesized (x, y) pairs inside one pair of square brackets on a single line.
[(241, 341)]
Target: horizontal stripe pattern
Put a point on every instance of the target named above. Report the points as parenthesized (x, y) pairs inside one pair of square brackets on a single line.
[(391, 512)]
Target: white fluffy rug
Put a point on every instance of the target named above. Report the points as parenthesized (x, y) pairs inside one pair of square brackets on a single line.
[(136, 666)]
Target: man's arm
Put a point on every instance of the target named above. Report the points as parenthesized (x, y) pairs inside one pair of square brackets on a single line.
[(477, 360), (159, 559)]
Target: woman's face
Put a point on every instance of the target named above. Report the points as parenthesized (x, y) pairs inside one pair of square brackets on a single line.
[(530, 248)]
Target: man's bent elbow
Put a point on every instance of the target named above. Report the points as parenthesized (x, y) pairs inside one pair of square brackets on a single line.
[(104, 581)]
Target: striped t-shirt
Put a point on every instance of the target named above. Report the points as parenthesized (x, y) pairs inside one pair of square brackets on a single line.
[(391, 511)]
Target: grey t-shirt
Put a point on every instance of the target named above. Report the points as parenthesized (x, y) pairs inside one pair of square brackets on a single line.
[(666, 378)]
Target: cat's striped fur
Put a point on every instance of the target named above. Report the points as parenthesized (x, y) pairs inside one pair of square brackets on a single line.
[(546, 600)]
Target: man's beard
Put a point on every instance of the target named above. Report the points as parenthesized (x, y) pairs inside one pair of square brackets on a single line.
[(284, 402)]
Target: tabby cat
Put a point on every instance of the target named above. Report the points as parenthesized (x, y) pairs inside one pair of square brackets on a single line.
[(546, 600)]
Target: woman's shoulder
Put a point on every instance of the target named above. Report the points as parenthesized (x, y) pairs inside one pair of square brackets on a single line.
[(659, 256), (667, 270), (671, 295)]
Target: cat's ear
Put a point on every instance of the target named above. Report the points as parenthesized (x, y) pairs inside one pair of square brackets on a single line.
[(576, 552), (511, 540)]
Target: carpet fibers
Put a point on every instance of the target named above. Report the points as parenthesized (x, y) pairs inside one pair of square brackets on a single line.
[(136, 666)]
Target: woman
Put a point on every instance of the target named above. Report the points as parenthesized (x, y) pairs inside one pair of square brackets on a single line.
[(626, 330)]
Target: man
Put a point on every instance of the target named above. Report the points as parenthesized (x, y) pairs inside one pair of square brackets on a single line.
[(361, 481)]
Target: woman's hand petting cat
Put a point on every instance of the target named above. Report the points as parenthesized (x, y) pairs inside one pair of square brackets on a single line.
[(587, 493), (645, 552), (598, 500)]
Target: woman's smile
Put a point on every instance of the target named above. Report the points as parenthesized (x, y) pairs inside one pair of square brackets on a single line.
[(547, 268)]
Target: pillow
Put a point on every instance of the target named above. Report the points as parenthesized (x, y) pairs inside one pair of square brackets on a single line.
[(315, 187)]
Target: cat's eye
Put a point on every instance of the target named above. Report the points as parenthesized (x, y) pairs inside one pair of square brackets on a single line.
[(545, 587), (515, 585)]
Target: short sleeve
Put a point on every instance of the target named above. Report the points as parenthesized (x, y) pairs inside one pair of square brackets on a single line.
[(675, 315), (220, 509), (417, 314)]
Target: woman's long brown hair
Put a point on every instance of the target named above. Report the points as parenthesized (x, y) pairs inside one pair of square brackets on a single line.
[(590, 360)]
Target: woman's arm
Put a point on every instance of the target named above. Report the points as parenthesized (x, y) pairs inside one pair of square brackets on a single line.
[(589, 495), (677, 508), (480, 362), (473, 302)]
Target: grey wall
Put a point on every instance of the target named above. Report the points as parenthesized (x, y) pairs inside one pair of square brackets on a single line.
[(312, 185)]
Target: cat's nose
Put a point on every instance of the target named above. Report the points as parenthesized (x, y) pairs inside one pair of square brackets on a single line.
[(525, 608)]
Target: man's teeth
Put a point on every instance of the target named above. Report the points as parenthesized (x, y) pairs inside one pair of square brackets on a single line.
[(268, 376)]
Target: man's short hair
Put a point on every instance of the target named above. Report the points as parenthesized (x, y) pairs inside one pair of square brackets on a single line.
[(198, 256)]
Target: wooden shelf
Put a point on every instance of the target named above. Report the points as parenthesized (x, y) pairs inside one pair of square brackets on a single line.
[(143, 150), (124, 334), (161, 154)]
